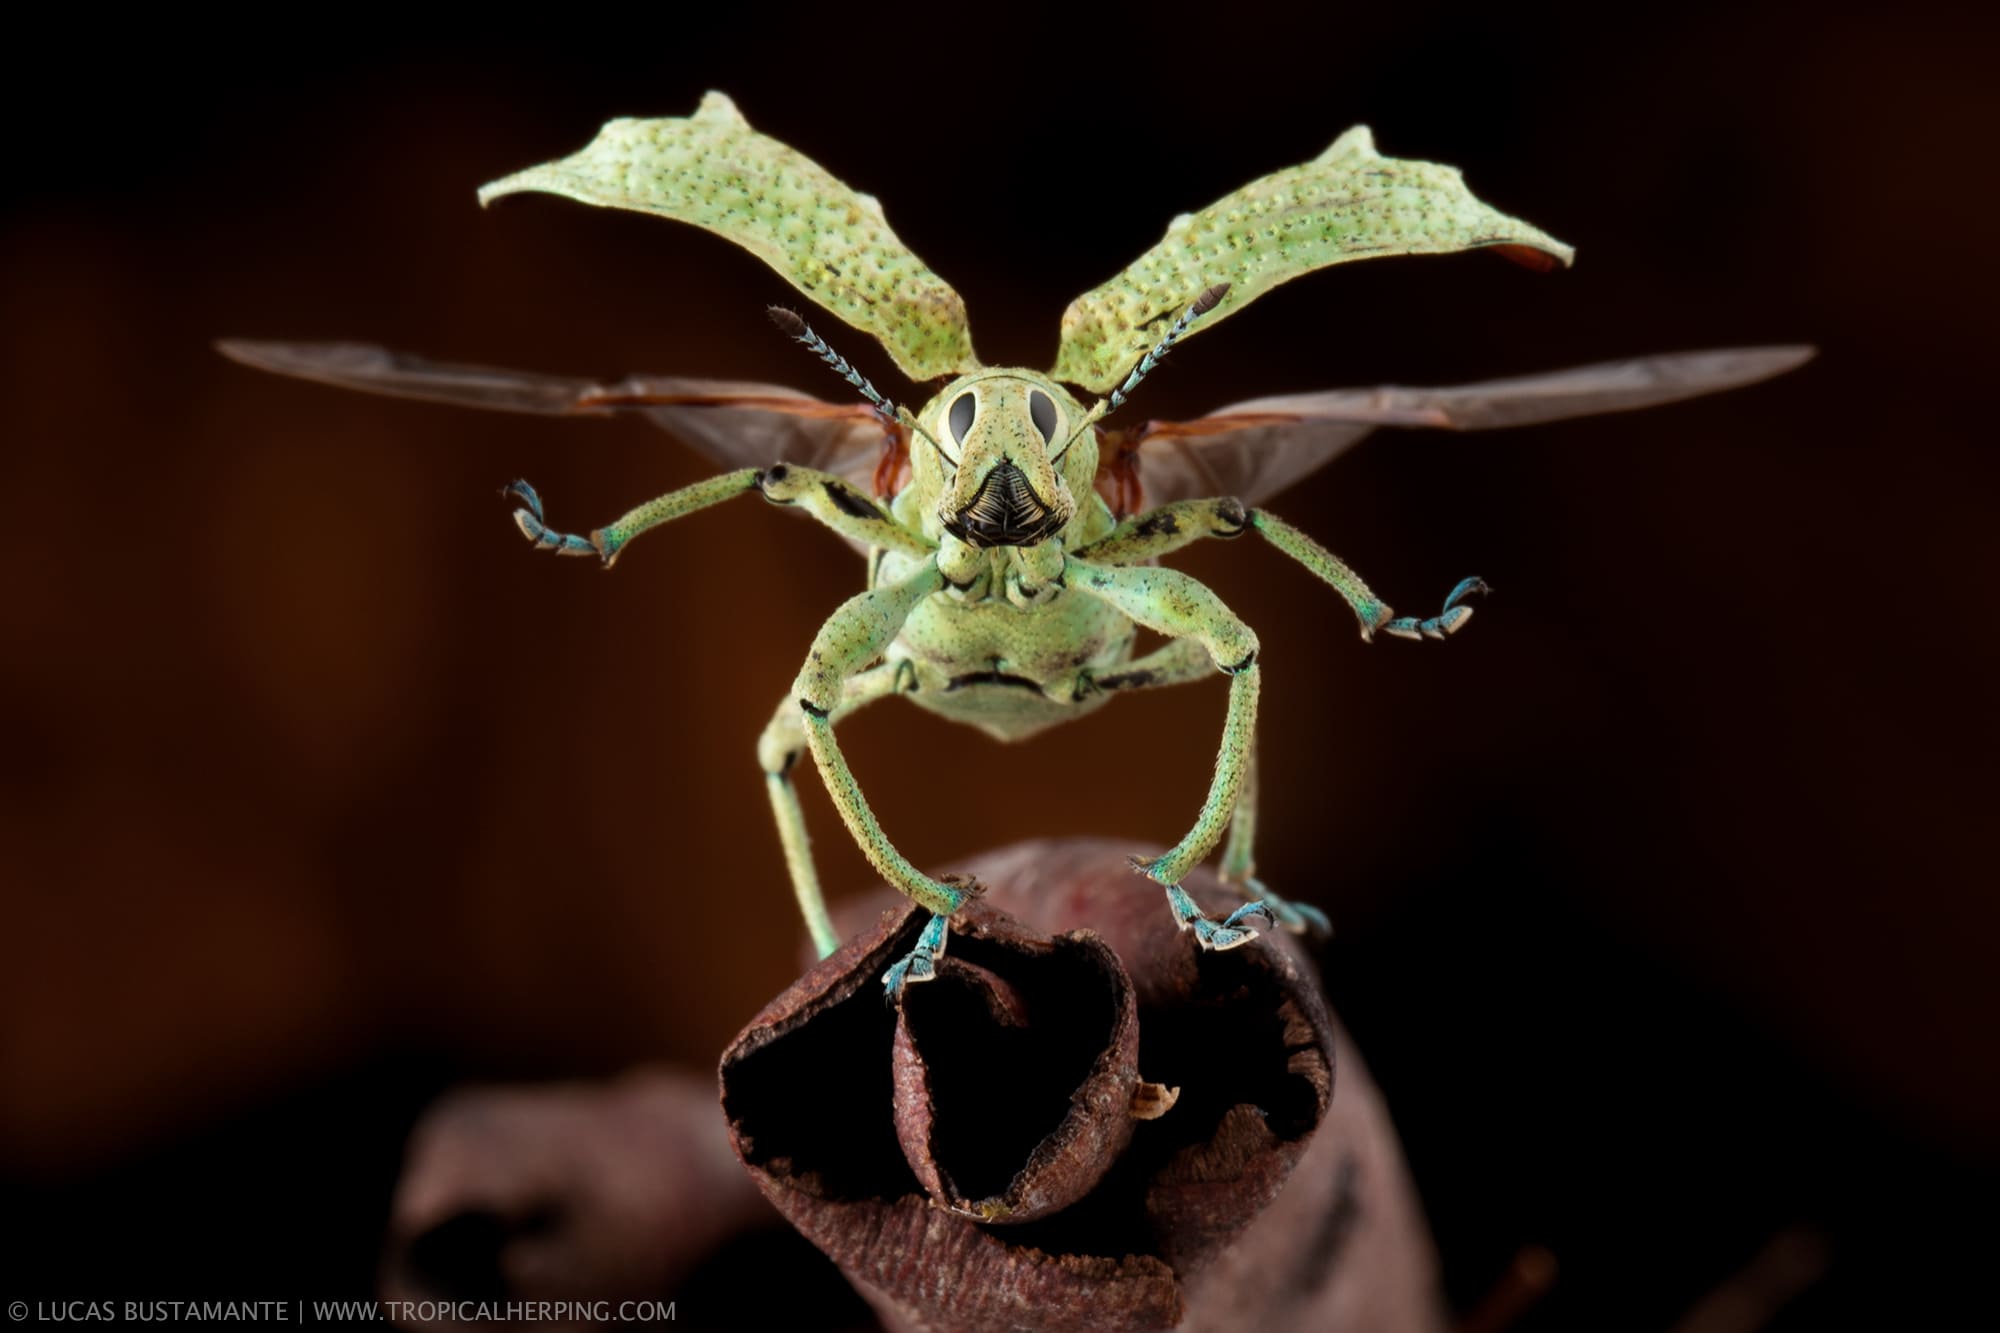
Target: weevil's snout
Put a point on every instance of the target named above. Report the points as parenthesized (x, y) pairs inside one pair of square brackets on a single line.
[(1005, 512), (997, 431)]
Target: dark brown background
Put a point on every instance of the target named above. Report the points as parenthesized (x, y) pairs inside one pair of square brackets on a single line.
[(1665, 911)]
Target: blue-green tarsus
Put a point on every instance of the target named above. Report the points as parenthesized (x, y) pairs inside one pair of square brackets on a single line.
[(529, 520), (921, 962), (1446, 622)]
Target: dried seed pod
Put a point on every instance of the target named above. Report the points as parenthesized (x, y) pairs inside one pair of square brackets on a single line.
[(1014, 1079), (877, 1154), (812, 1100)]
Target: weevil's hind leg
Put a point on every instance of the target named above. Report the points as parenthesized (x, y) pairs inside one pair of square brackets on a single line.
[(1239, 863), (778, 751), (1446, 622), (1176, 662)]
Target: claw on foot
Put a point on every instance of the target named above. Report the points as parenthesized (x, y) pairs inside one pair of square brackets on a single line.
[(1298, 918), (1445, 623), (528, 519), (920, 964), (1228, 933), (1303, 919), (526, 494)]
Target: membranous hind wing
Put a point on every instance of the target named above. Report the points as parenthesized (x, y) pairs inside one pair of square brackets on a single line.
[(1253, 450), (829, 241), (754, 425), (1348, 203), (733, 423)]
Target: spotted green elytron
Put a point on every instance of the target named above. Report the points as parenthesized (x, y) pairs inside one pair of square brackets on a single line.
[(1010, 555)]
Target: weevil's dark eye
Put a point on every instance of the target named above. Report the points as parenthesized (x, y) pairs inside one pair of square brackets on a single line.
[(961, 415), (1043, 410)]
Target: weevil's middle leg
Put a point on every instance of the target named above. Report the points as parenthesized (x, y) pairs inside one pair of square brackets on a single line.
[(827, 498), (1177, 662), (1231, 768), (852, 637), (942, 899), (778, 751), (1172, 526)]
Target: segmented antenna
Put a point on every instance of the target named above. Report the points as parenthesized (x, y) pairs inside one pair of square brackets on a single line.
[(794, 326), (1204, 303)]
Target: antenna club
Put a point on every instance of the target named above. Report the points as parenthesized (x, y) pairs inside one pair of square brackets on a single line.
[(789, 322), (1209, 299)]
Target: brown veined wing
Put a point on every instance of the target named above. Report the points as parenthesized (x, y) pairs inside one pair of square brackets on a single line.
[(1253, 450), (734, 423)]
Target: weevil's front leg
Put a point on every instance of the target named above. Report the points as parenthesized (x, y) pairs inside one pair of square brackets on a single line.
[(1170, 527), (826, 497), (839, 506), (606, 542), (778, 750), (1370, 610), (1446, 622), (852, 637), (1162, 531), (1172, 603)]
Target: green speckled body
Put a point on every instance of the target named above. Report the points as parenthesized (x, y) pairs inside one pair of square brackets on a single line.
[(1005, 646), (1002, 592), (1007, 670)]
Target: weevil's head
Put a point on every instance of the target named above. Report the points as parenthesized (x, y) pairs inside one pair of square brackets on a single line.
[(1009, 451)]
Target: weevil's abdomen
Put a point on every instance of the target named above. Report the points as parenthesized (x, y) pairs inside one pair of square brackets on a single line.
[(1008, 670), (1007, 709)]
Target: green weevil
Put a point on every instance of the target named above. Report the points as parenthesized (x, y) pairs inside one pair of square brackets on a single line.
[(1012, 538)]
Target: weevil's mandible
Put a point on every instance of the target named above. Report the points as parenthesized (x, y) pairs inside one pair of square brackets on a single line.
[(1012, 537)]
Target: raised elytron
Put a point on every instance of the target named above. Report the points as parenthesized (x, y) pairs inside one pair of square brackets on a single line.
[(1012, 536)]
